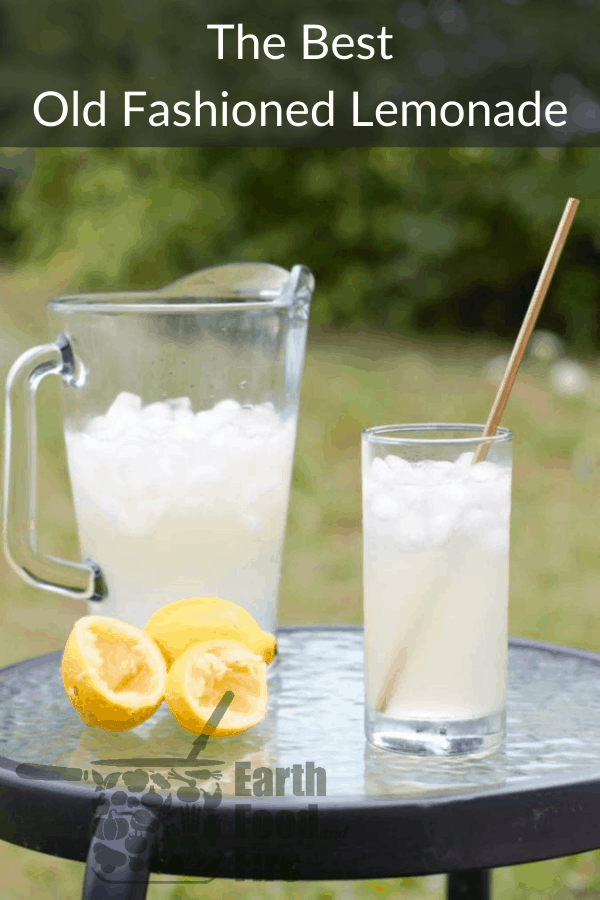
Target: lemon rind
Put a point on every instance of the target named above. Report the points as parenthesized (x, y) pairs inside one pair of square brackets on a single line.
[(163, 624)]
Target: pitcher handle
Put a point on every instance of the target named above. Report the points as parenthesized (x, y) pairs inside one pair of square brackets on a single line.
[(20, 479)]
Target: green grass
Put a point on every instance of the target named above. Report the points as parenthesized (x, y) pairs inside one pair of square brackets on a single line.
[(354, 380)]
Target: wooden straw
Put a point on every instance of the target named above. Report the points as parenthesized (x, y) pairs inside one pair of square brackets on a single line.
[(527, 327)]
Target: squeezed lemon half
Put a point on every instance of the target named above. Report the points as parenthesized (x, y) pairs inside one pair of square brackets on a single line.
[(113, 673), (198, 679), (183, 623)]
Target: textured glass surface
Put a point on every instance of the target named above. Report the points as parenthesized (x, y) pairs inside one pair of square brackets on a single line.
[(316, 714)]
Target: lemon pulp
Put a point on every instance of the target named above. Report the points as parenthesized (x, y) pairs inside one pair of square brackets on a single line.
[(201, 676)]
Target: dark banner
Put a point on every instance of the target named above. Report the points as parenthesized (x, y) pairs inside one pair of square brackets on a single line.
[(352, 73)]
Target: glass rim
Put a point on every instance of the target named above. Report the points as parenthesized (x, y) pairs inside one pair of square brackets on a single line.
[(152, 301), (400, 434)]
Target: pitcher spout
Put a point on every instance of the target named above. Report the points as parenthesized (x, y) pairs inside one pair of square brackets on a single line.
[(298, 290), (260, 281)]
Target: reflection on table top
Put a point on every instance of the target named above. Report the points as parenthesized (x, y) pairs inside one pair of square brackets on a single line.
[(316, 715)]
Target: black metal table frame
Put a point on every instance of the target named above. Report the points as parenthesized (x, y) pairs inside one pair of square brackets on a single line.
[(399, 837)]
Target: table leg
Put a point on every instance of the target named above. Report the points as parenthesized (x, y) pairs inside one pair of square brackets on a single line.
[(473, 884), (96, 888), (118, 862)]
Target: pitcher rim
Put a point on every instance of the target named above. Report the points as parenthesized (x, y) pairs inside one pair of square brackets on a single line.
[(150, 301), (210, 288)]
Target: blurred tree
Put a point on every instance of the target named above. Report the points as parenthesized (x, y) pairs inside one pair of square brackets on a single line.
[(437, 239)]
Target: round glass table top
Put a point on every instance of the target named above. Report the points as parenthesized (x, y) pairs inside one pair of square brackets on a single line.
[(316, 716)]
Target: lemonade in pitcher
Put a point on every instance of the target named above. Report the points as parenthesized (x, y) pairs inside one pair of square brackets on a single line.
[(180, 504)]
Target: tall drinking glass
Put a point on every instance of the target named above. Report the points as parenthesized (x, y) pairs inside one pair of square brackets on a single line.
[(180, 411), (436, 548)]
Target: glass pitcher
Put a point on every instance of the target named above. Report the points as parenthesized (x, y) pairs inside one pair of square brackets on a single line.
[(180, 410)]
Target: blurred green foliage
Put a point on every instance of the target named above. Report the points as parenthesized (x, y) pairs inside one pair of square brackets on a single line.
[(442, 240)]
